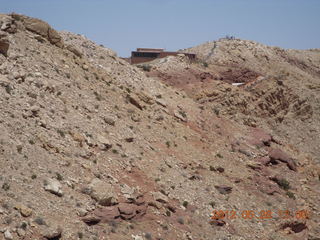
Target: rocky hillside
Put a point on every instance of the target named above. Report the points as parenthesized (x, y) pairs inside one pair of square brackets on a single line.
[(93, 148), (278, 89)]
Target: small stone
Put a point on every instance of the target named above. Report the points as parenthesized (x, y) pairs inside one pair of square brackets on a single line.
[(4, 44), (126, 208), (137, 237), (82, 212), (8, 235), (21, 232), (158, 196), (25, 211), (74, 50), (85, 67), (52, 232), (53, 186), (127, 191), (161, 102), (105, 144), (224, 189), (135, 101), (180, 116), (109, 120), (38, 74)]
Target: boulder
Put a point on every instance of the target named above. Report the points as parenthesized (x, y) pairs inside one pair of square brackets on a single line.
[(40, 27), (279, 155), (8, 235), (53, 186), (263, 160), (102, 192), (105, 214), (4, 44), (7, 24), (260, 138), (51, 232)]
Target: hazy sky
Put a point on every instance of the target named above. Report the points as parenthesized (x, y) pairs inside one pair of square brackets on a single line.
[(124, 25)]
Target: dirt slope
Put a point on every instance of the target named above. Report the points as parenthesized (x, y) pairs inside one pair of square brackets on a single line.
[(92, 148)]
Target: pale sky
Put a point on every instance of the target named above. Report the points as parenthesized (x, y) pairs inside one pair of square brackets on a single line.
[(124, 25)]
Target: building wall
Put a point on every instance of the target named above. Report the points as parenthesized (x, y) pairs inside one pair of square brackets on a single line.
[(150, 49), (136, 60)]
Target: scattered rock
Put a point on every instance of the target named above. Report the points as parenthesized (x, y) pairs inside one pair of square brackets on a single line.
[(263, 160), (53, 186), (4, 44), (161, 102), (40, 27), (25, 211), (7, 24), (135, 101), (104, 215), (137, 237), (82, 212), (265, 185), (223, 189), (279, 155), (52, 232), (21, 232), (105, 144), (74, 50), (126, 208), (260, 138), (295, 226), (160, 197), (181, 116), (8, 235), (109, 120), (146, 98), (127, 191), (85, 67), (103, 192)]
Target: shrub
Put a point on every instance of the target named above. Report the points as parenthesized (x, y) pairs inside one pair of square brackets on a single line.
[(291, 195), (283, 183), (219, 155), (185, 204)]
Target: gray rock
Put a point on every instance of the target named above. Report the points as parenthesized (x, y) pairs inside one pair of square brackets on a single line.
[(8, 235), (74, 50), (158, 196), (53, 186), (109, 120), (21, 232), (102, 192), (51, 232), (85, 67), (104, 143), (161, 102), (181, 116), (4, 44)]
